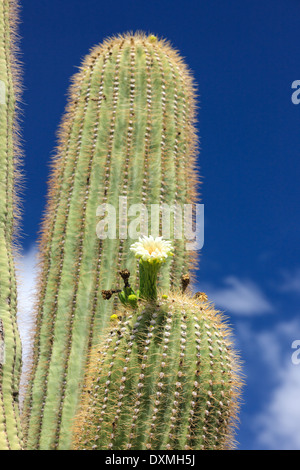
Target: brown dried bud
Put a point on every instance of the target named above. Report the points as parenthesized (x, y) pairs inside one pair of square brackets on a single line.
[(107, 294), (185, 280), (125, 275)]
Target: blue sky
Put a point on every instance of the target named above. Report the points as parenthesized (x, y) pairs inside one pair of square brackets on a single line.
[(245, 56)]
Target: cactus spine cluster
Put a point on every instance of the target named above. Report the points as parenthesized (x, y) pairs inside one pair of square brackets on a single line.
[(165, 378), (10, 346), (128, 132)]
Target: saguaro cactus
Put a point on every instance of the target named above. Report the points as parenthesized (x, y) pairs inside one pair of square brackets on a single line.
[(166, 377), (128, 132), (10, 346)]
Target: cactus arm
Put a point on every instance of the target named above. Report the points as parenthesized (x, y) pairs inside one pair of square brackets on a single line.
[(162, 388), (10, 369)]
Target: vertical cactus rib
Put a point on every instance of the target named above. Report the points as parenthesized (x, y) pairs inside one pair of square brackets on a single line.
[(166, 195), (180, 149), (180, 144), (179, 189), (187, 174), (116, 140), (10, 369), (171, 414)]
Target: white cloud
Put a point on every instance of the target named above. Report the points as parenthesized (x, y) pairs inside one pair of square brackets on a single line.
[(276, 425), (241, 297), (26, 275)]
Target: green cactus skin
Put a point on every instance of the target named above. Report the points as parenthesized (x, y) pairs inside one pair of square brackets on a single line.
[(10, 362), (165, 378), (128, 131)]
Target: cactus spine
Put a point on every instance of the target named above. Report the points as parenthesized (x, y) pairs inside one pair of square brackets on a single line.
[(166, 378), (10, 346), (128, 132)]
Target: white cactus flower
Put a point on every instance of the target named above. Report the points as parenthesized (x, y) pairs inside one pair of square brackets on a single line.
[(152, 249)]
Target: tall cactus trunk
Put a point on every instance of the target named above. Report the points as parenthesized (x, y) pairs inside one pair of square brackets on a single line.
[(10, 346), (128, 132)]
